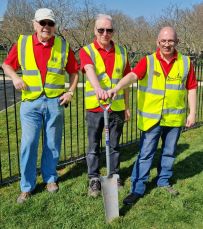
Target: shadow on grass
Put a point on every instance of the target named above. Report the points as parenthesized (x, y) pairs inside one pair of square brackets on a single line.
[(77, 169), (179, 150), (188, 167), (125, 208), (126, 153)]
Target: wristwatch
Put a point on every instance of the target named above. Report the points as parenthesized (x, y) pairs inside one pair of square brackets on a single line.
[(70, 92)]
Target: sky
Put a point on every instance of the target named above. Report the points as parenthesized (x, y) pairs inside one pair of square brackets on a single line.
[(134, 8)]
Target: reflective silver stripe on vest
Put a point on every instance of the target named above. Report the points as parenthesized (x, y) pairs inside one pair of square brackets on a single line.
[(151, 70), (63, 52), (175, 86), (118, 97), (53, 86), (92, 54), (33, 88), (168, 86), (23, 44), (56, 70), (150, 90), (101, 76), (186, 69), (174, 111), (114, 81), (185, 74), (91, 93), (148, 115), (123, 56), (30, 72)]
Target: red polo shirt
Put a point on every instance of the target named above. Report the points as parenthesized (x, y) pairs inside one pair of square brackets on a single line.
[(108, 57), (141, 68), (42, 54)]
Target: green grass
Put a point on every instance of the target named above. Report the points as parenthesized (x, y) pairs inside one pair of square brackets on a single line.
[(72, 208)]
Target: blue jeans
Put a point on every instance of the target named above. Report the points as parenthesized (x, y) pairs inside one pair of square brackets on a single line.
[(148, 146), (41, 113), (95, 123)]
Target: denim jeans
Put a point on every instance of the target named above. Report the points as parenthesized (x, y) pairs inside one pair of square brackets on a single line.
[(148, 146), (95, 123), (41, 113)]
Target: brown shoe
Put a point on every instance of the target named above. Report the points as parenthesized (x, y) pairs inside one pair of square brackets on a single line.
[(94, 189), (24, 196), (52, 187), (171, 190)]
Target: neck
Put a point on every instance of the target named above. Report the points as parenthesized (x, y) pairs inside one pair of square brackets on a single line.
[(167, 58), (42, 39), (105, 46)]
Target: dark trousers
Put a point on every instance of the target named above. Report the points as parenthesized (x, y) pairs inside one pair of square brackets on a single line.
[(95, 123)]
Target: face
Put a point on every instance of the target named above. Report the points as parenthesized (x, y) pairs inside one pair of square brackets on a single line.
[(103, 32), (167, 41), (45, 29)]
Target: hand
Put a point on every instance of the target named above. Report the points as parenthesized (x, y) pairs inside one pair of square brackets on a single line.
[(19, 84), (65, 98), (101, 94), (127, 115), (190, 120), (112, 93)]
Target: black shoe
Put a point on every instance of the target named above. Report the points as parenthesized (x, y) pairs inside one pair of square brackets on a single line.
[(94, 187), (131, 198), (171, 190)]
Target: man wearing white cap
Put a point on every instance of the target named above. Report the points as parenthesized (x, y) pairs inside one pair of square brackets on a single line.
[(43, 59)]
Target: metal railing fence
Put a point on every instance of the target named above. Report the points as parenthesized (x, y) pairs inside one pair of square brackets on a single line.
[(74, 131)]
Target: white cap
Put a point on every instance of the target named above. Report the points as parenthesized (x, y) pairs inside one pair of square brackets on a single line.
[(44, 13)]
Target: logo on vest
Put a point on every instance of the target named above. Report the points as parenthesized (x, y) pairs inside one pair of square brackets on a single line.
[(174, 78), (118, 70), (54, 59), (157, 73)]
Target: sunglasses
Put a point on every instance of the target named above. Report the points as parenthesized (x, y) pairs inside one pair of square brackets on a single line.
[(102, 30), (44, 23)]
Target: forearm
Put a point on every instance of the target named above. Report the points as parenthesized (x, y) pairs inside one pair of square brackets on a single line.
[(92, 77), (192, 98), (9, 71), (73, 81), (126, 81), (126, 98)]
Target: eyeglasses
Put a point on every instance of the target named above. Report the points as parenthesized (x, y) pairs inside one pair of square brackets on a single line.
[(170, 42), (44, 23), (102, 30)]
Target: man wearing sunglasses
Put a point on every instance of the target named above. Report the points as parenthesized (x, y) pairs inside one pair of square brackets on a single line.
[(104, 63), (44, 58), (164, 80)]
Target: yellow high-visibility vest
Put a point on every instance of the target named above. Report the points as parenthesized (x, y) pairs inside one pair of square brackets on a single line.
[(55, 78), (106, 83), (162, 98)]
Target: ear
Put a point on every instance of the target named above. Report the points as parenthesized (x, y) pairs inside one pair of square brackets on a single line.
[(95, 31), (34, 25), (177, 41), (157, 43)]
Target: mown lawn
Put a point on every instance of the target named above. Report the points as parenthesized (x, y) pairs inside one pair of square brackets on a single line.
[(72, 208)]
